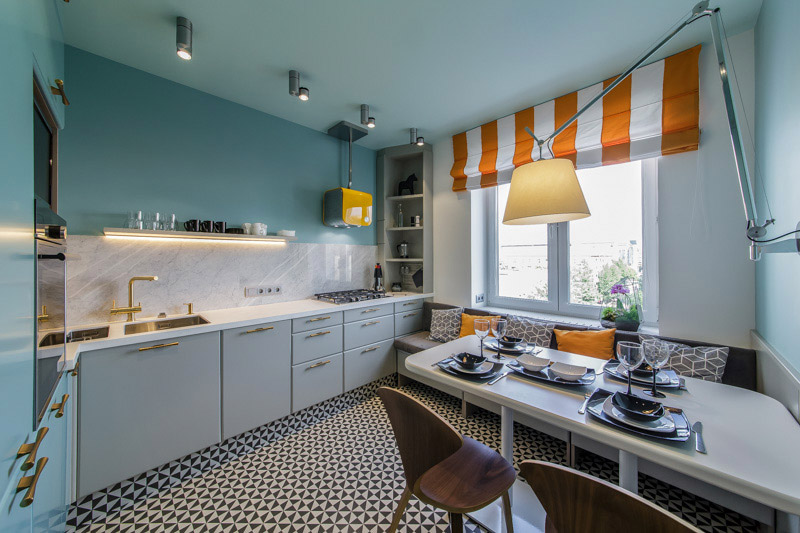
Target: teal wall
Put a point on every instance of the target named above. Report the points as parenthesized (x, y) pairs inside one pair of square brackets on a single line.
[(31, 41), (137, 141), (777, 136)]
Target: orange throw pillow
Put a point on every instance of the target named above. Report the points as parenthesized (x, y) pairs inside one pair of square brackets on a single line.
[(468, 324), (599, 344)]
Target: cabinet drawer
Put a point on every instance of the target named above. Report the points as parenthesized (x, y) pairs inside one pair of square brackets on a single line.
[(364, 313), (316, 381), (316, 343), (368, 331), (315, 322), (256, 376), (407, 322), (368, 363), (401, 307)]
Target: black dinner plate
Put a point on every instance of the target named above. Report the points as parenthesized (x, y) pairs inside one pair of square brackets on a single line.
[(682, 427), (547, 375), (665, 379)]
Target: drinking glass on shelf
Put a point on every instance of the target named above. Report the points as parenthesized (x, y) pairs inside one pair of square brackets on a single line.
[(168, 221), (498, 330), (135, 220), (630, 357), (656, 354), (481, 330)]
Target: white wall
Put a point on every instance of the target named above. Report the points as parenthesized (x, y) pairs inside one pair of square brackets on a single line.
[(706, 279)]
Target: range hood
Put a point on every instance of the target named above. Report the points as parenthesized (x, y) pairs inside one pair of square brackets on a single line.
[(346, 208)]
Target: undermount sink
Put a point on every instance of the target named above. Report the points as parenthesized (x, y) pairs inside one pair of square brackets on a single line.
[(76, 335), (167, 323)]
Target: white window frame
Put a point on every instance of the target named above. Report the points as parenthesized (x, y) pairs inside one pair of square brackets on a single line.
[(558, 259)]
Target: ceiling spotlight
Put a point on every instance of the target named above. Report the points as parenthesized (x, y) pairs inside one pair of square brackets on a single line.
[(367, 120), (419, 141), (183, 38), (294, 86)]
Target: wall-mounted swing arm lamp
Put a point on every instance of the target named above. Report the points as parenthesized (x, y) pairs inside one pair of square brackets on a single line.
[(530, 181)]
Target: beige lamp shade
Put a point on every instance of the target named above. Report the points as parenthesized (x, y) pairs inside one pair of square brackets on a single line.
[(545, 192)]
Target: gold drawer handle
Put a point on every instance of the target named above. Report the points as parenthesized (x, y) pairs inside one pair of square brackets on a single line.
[(409, 303), (260, 329), (31, 448), (371, 323), (321, 363), (29, 483), (370, 310), (318, 334), (144, 349), (370, 349), (59, 407), (319, 318), (58, 90), (75, 370), (409, 314)]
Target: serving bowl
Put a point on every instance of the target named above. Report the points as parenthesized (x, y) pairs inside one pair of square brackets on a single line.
[(509, 342), (568, 372), (533, 363)]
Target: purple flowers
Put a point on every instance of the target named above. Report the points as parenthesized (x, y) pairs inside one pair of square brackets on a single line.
[(619, 289)]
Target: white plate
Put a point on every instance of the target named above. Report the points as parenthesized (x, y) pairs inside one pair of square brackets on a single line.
[(568, 372), (665, 424), (533, 363), (485, 368)]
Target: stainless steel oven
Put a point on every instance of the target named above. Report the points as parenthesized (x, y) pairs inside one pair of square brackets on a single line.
[(51, 283)]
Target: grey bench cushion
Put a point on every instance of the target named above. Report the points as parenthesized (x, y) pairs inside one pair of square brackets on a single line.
[(415, 342)]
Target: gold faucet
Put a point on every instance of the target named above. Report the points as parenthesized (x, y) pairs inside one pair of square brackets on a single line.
[(131, 310)]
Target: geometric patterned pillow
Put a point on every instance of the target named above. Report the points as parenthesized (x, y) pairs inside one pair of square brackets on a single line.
[(445, 324), (530, 330), (702, 362)]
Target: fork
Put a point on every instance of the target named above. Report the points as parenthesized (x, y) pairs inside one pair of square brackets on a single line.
[(582, 409)]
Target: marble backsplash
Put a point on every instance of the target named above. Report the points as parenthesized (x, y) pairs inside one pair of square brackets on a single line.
[(210, 275)]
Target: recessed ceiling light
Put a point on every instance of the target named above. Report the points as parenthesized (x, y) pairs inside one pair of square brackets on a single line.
[(183, 38)]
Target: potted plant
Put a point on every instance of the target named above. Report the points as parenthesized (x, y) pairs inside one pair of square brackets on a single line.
[(625, 312)]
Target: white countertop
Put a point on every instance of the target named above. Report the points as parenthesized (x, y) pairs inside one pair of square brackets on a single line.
[(221, 319)]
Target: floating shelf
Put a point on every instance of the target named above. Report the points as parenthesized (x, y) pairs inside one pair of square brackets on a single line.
[(194, 236), (405, 228), (404, 260), (405, 197)]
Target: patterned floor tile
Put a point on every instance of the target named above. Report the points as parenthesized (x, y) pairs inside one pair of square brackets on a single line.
[(331, 468)]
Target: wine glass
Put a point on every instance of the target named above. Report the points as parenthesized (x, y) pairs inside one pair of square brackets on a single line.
[(498, 330), (656, 354), (630, 357), (481, 330)]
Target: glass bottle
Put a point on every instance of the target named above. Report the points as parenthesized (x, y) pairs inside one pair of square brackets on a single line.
[(399, 215)]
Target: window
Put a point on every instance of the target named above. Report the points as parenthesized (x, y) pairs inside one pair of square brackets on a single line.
[(569, 268)]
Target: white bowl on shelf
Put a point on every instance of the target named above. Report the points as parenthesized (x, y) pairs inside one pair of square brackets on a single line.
[(568, 372), (532, 363)]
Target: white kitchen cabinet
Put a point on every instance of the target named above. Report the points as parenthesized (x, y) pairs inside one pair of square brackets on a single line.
[(316, 381), (143, 405), (368, 363), (313, 344), (256, 376), (368, 331)]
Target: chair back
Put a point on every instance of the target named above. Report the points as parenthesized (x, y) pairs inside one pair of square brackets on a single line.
[(578, 503), (423, 437)]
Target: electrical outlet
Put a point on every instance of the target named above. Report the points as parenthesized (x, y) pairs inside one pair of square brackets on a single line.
[(479, 298), (262, 290)]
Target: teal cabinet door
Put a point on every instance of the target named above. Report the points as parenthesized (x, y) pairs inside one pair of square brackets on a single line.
[(50, 502), (47, 43), (14, 518)]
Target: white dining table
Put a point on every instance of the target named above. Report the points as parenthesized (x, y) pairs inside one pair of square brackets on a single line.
[(752, 440)]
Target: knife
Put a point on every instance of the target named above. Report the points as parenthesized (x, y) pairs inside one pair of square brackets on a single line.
[(699, 444), (498, 378)]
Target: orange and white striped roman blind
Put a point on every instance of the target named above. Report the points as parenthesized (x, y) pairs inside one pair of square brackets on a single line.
[(653, 112)]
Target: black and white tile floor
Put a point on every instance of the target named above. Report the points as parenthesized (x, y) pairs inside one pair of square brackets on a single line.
[(333, 467)]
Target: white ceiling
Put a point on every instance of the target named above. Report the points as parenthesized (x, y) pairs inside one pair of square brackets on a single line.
[(442, 66)]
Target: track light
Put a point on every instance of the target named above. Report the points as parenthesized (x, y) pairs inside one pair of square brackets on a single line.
[(419, 141), (294, 86), (367, 120), (183, 38)]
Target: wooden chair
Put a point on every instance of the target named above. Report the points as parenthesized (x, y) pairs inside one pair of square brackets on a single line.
[(578, 503), (442, 468)]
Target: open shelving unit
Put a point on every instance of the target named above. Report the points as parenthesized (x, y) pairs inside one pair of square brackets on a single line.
[(395, 164)]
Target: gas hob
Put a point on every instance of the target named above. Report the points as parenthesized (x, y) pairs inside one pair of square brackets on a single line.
[(344, 297)]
